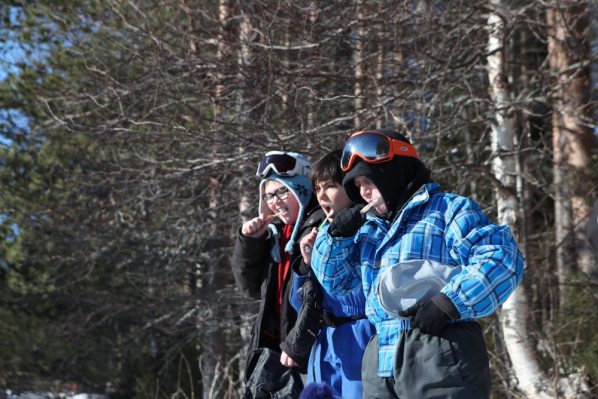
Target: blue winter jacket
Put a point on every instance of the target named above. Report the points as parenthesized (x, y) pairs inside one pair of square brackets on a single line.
[(433, 225)]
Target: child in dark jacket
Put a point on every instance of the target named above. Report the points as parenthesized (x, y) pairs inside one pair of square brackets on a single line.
[(266, 247)]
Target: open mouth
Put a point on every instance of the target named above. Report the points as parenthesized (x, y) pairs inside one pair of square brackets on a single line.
[(329, 211)]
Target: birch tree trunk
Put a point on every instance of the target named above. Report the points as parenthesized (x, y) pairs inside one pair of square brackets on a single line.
[(359, 65), (513, 316), (562, 195)]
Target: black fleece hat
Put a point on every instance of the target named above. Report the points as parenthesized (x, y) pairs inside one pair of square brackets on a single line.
[(396, 179)]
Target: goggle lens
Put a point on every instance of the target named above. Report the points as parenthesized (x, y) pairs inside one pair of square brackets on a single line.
[(369, 147), (282, 164)]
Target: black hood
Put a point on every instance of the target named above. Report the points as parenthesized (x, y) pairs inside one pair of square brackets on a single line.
[(396, 179)]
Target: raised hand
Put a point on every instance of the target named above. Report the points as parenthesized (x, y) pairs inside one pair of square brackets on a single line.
[(256, 227), (307, 243), (347, 222)]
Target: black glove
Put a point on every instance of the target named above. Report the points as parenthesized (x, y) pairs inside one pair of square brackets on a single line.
[(347, 222), (432, 315)]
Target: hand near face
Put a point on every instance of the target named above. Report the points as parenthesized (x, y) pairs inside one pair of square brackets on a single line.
[(307, 243), (256, 227), (347, 222)]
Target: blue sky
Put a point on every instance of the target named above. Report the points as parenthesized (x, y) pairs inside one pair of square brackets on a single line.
[(12, 52)]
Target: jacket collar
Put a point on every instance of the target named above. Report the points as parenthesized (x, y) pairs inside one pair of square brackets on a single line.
[(419, 198)]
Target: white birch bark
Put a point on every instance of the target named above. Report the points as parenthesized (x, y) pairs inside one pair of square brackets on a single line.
[(530, 379)]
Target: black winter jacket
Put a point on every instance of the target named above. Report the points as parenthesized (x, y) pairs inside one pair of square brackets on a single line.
[(254, 270), (301, 338)]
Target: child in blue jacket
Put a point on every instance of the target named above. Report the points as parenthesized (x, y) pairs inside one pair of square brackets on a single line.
[(336, 355), (428, 261)]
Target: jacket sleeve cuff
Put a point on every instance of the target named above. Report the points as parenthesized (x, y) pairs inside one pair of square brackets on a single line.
[(301, 360), (446, 305), (300, 267), (263, 238)]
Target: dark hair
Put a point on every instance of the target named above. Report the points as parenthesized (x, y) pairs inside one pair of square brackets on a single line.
[(327, 168)]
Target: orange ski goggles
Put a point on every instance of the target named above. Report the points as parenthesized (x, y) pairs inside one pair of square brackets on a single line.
[(373, 147)]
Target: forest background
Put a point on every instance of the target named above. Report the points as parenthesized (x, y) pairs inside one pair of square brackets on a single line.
[(130, 133)]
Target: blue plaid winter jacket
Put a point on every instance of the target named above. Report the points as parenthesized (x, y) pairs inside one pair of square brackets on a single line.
[(433, 225)]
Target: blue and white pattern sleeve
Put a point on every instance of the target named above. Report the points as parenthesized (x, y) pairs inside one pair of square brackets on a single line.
[(335, 263), (492, 263)]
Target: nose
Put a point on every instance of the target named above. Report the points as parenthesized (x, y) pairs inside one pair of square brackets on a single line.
[(365, 192), (321, 195)]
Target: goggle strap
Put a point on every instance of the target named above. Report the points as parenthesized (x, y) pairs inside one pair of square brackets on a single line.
[(402, 148), (398, 147)]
